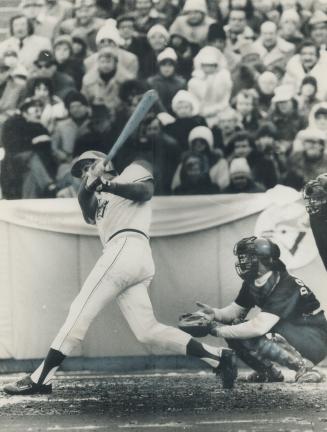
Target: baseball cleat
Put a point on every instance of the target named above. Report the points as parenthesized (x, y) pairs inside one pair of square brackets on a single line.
[(227, 368), (309, 376), (26, 386), (268, 376)]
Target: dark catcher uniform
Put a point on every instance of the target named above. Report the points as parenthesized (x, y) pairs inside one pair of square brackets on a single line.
[(301, 322)]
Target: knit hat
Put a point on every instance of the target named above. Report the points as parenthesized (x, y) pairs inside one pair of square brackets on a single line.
[(158, 28), (185, 96), (267, 76), (29, 102), (290, 15), (109, 31), (216, 31), (75, 96), (195, 5), (125, 17), (201, 132), (248, 49), (268, 26), (239, 166), (311, 133), (167, 54), (63, 39), (209, 55), (283, 93), (317, 18)]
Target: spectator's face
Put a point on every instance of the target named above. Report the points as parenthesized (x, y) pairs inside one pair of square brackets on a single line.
[(237, 21), (4, 74), (218, 43), (308, 56), (285, 107), (244, 105), (77, 48), (239, 181), (227, 125), (308, 90), (288, 28), (20, 28), (33, 8), (46, 70), (289, 4), (184, 109), (126, 29), (167, 68), (242, 148), (143, 7), (319, 33), (273, 15), (265, 144), (107, 64), (194, 17), (106, 43), (269, 37), (313, 149), (33, 113), (78, 111), (193, 169), (85, 12), (321, 121), (62, 53), (209, 68), (283, 146), (153, 129), (199, 145), (157, 41), (42, 92)]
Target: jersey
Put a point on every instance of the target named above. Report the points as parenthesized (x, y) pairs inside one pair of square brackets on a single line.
[(283, 295), (115, 213)]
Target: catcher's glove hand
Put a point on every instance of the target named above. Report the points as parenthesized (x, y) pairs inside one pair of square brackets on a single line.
[(197, 324)]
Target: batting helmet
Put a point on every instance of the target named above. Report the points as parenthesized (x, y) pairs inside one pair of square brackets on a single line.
[(250, 250), (87, 158), (315, 196)]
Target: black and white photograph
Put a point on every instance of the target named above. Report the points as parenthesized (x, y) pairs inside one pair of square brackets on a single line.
[(163, 215)]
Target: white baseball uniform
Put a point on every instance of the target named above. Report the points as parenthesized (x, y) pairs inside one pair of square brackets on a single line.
[(123, 272)]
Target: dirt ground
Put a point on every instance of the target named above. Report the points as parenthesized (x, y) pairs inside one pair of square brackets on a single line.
[(165, 402)]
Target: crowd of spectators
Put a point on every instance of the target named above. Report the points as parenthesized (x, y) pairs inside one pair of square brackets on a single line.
[(242, 87)]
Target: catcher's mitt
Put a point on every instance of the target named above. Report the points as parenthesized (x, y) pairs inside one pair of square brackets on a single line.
[(196, 324)]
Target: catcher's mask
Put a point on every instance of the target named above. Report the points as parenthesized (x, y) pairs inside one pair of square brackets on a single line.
[(85, 160), (251, 250), (315, 196)]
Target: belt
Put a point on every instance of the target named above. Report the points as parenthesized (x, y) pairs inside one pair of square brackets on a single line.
[(127, 230)]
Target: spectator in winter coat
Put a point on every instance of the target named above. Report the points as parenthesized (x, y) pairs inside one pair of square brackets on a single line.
[(194, 22), (289, 27), (241, 178), (67, 63), (60, 9), (24, 42), (211, 83), (108, 35), (185, 108), (186, 51), (307, 96), (101, 85), (10, 91), (240, 145), (271, 47), (133, 43), (245, 105), (46, 67), (228, 122), (217, 38), (236, 29), (307, 164), (28, 169), (84, 21), (266, 84), (43, 24), (158, 38), (201, 140), (318, 117), (145, 16), (166, 82), (307, 62), (195, 178), (318, 28), (285, 113)]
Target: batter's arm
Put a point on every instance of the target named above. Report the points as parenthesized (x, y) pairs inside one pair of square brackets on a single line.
[(88, 203), (138, 191)]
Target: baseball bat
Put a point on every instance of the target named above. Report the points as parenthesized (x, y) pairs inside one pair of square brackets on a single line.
[(142, 108)]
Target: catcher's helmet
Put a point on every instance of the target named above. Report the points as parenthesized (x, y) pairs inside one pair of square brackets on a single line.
[(85, 159), (315, 196), (250, 250)]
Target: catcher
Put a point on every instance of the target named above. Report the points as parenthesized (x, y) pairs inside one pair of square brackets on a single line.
[(291, 329), (315, 197)]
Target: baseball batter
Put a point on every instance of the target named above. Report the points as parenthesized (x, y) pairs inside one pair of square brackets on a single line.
[(120, 207)]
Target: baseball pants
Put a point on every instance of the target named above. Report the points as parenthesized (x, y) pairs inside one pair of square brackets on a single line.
[(124, 272)]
